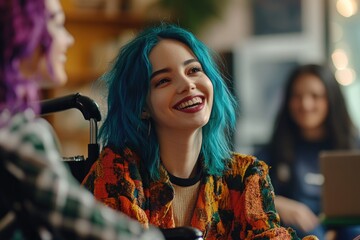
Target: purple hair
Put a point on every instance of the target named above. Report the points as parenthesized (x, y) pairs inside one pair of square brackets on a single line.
[(23, 28)]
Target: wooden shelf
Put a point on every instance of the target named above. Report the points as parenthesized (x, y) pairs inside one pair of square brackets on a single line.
[(77, 80), (97, 40), (97, 17)]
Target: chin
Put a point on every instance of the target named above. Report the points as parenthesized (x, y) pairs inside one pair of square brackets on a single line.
[(55, 77)]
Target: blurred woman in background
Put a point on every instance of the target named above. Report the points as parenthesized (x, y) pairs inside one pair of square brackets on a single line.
[(312, 117)]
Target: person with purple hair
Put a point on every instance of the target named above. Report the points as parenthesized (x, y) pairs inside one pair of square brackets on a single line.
[(39, 198)]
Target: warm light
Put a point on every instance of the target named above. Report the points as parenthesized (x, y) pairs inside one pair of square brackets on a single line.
[(346, 8), (346, 76), (340, 59)]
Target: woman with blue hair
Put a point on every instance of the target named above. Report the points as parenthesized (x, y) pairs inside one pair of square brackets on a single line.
[(166, 158)]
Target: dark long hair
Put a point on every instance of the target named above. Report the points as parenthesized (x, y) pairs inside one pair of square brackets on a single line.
[(341, 132)]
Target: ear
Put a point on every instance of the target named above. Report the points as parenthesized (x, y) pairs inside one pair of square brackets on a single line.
[(145, 114)]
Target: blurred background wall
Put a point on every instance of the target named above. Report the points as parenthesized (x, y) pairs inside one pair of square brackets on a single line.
[(260, 41)]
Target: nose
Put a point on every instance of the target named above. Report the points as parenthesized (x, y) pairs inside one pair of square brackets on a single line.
[(185, 84), (306, 102)]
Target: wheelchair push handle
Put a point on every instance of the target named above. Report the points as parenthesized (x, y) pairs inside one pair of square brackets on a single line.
[(79, 166), (85, 105)]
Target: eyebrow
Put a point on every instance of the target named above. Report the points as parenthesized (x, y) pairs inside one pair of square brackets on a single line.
[(187, 62)]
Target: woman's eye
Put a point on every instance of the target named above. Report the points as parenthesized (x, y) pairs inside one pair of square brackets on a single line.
[(195, 69), (318, 96), (161, 82)]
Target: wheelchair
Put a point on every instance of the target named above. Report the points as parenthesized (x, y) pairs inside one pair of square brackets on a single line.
[(80, 165)]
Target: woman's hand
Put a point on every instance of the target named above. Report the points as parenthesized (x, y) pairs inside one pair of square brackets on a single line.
[(296, 214)]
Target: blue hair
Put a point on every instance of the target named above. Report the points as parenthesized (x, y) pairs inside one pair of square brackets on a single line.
[(128, 83)]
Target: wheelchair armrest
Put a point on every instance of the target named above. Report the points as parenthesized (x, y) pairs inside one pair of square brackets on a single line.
[(184, 233)]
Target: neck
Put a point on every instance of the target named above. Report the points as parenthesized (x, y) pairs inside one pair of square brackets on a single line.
[(179, 151), (314, 133)]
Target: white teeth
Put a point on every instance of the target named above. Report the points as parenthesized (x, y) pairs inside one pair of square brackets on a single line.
[(191, 102)]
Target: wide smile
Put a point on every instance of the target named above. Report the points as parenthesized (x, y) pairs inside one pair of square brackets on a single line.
[(190, 104)]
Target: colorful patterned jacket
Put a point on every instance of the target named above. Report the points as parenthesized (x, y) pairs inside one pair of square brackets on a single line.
[(238, 205)]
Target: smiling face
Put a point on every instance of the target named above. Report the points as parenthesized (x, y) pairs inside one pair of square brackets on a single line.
[(308, 103), (61, 39), (181, 95)]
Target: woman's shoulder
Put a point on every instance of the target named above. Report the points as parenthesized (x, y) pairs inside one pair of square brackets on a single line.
[(20, 122), (241, 158), (111, 155), (26, 128), (31, 138), (242, 163)]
